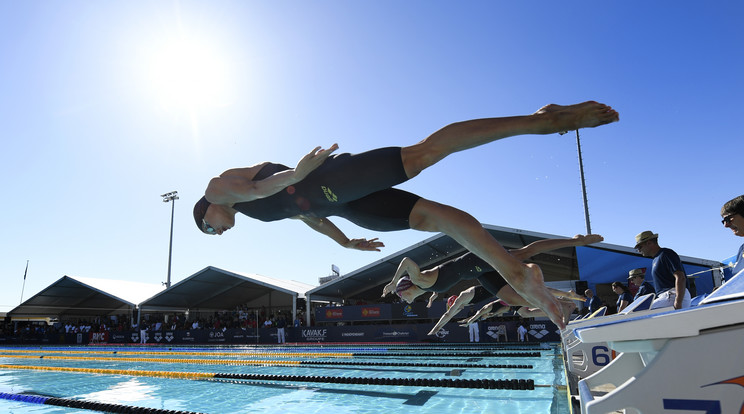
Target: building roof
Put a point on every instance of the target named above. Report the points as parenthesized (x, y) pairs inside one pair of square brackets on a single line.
[(216, 289), (85, 297)]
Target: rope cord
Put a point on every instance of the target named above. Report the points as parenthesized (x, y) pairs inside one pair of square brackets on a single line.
[(226, 354), (305, 354), (512, 384), (267, 362), (87, 405)]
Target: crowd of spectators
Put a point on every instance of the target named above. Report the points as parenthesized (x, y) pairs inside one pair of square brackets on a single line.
[(238, 318)]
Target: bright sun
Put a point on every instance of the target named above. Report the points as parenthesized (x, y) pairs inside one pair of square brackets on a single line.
[(188, 74)]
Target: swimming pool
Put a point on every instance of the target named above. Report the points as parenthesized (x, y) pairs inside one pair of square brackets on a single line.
[(292, 379)]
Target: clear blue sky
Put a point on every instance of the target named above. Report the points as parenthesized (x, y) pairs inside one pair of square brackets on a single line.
[(106, 105)]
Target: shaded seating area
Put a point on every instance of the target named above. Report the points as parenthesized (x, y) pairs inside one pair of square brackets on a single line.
[(77, 297), (212, 290), (99, 310)]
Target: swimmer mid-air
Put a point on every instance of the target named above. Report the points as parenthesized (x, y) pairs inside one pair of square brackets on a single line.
[(475, 294), (358, 187), (409, 281)]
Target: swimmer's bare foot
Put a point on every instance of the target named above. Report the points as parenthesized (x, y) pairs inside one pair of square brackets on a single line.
[(568, 308), (532, 288), (588, 114), (588, 239)]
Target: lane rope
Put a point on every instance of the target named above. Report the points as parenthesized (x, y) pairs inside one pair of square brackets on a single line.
[(226, 354), (508, 384), (267, 362), (305, 354), (87, 405)]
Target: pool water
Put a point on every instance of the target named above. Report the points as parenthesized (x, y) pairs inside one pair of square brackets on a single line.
[(223, 396)]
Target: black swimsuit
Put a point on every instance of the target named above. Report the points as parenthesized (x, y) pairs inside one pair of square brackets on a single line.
[(482, 294), (356, 187), (467, 267)]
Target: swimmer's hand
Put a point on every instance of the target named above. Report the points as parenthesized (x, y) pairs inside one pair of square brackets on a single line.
[(312, 160), (364, 244), (388, 289), (467, 323)]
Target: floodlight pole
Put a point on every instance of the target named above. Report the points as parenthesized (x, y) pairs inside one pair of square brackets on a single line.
[(583, 185), (172, 196), (24, 281)]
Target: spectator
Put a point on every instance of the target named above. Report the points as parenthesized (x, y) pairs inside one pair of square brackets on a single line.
[(474, 331), (593, 302), (281, 323), (732, 214), (637, 277), (670, 279), (623, 295), (522, 332)]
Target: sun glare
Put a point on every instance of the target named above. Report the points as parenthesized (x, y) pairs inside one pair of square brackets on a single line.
[(188, 74)]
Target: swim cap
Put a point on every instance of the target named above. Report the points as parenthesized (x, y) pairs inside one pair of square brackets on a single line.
[(200, 209), (451, 301), (403, 284)]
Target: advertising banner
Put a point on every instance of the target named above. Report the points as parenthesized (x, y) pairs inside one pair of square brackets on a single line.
[(488, 331), (353, 313)]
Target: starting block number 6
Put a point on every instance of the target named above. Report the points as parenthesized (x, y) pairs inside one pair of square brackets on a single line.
[(601, 356)]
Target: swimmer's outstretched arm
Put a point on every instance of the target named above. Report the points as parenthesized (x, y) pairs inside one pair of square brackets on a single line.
[(527, 312), (433, 296), (237, 185), (486, 312), (451, 312), (324, 226), (406, 266), (571, 295), (547, 245), (462, 300), (467, 322)]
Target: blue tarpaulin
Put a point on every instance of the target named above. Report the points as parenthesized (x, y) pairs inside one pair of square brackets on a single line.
[(604, 266)]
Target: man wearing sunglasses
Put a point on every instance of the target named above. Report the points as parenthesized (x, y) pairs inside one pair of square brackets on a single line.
[(732, 214), (359, 187), (670, 279)]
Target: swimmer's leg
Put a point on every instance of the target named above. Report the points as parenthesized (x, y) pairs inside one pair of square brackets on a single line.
[(526, 279), (469, 134)]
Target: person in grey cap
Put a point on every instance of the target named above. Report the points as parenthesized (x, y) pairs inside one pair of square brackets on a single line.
[(638, 278), (667, 271)]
